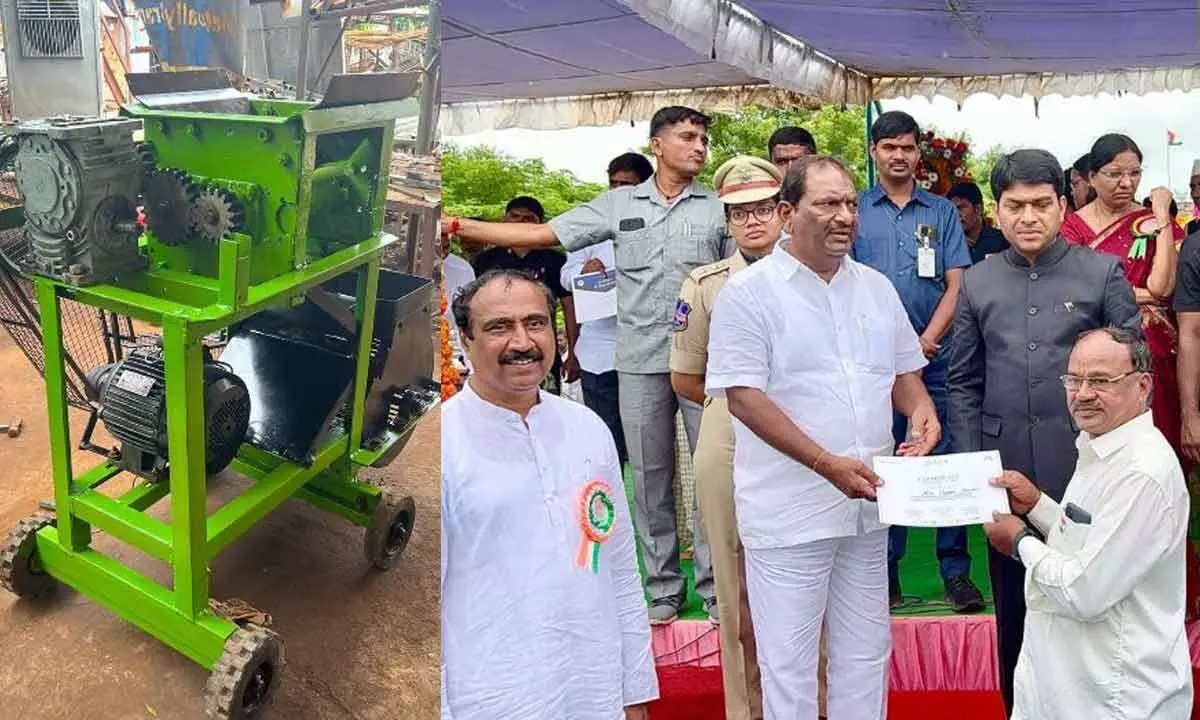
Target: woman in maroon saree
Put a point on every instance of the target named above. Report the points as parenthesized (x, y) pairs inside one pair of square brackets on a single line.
[(1145, 240)]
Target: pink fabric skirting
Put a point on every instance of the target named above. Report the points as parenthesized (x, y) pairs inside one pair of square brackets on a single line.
[(956, 652)]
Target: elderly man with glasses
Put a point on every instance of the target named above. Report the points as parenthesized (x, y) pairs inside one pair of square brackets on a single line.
[(1104, 630), (1017, 317)]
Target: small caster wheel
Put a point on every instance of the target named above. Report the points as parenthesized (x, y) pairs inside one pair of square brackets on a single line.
[(390, 529), (21, 571), (245, 678)]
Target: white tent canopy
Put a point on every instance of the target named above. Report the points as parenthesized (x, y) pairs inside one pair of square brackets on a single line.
[(553, 64)]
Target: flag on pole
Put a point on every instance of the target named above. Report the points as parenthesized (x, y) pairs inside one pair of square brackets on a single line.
[(1173, 139)]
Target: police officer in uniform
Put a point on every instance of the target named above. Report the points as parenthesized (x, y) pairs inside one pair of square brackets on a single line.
[(749, 188), (661, 230)]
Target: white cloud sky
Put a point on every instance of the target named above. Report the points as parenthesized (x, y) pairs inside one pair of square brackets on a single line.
[(1064, 126)]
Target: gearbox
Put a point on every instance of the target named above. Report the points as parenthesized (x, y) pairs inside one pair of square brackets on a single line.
[(80, 180)]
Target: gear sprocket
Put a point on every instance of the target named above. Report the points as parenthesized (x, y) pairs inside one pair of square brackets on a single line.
[(214, 214), (167, 195)]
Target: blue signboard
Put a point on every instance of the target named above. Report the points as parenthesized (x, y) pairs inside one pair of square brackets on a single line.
[(195, 33)]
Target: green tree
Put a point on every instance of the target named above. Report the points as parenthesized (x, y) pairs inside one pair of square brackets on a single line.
[(981, 166), (479, 181), (838, 132)]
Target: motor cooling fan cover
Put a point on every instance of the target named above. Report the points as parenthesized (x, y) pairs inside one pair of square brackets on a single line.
[(132, 399)]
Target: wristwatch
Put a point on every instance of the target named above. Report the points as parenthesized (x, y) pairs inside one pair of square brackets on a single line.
[(1021, 535)]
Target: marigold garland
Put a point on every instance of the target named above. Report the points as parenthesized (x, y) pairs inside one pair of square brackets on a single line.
[(450, 377)]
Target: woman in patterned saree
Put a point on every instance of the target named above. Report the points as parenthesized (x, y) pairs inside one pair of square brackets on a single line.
[(1144, 239)]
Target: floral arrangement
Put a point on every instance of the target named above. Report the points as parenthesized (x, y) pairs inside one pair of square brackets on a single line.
[(943, 163), (450, 378)]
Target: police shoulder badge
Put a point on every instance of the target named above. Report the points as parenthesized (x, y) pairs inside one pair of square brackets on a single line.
[(682, 310)]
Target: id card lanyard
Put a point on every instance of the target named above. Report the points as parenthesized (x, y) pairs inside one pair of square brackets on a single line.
[(926, 255)]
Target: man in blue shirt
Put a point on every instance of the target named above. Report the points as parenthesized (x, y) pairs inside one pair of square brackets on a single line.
[(915, 238)]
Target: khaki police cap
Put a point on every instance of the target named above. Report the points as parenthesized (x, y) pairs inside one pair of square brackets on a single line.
[(746, 179)]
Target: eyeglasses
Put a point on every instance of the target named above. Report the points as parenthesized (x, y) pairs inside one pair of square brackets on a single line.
[(1119, 175), (1074, 383), (741, 216)]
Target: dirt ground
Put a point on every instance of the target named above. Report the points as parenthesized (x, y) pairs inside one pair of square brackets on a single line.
[(359, 644)]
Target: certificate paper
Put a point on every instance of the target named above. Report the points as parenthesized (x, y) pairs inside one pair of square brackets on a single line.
[(941, 490), (595, 295)]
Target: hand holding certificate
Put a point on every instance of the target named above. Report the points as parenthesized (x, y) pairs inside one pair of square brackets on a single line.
[(941, 490)]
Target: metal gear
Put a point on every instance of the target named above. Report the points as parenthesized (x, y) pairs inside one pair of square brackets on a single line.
[(214, 214), (167, 194)]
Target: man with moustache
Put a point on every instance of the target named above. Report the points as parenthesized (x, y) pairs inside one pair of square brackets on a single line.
[(1017, 318), (749, 187), (813, 351), (544, 263), (543, 616), (916, 239), (1104, 633), (788, 144), (661, 230)]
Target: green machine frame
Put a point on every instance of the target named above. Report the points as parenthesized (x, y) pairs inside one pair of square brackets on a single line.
[(189, 307), (180, 617)]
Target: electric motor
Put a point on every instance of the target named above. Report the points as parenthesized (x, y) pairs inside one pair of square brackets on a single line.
[(132, 399)]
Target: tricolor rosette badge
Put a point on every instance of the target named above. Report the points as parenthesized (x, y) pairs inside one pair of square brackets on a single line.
[(597, 514), (1143, 231)]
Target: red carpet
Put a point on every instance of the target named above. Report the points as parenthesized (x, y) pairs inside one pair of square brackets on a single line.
[(694, 693)]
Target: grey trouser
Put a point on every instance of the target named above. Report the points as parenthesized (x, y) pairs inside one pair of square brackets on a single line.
[(648, 406)]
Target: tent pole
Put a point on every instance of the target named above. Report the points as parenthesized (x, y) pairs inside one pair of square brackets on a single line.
[(302, 60), (430, 84), (870, 160)]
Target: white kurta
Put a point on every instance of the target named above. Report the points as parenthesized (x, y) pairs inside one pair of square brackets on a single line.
[(526, 632), (827, 355), (1104, 628)]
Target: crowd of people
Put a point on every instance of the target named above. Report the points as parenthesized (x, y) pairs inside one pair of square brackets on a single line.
[(802, 328)]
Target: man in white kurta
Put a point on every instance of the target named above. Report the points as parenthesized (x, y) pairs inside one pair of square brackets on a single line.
[(1104, 625), (543, 614), (813, 350)]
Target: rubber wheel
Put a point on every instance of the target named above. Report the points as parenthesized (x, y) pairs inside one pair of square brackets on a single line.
[(246, 676), (390, 530), (21, 572)]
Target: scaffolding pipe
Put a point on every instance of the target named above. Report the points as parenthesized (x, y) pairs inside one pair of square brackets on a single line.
[(431, 83), (302, 61)]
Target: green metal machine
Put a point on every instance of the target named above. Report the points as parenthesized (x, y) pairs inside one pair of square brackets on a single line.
[(263, 224)]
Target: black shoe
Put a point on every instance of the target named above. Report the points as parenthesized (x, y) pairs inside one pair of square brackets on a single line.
[(963, 596), (663, 612)]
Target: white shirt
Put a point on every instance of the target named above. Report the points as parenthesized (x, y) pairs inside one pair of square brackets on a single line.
[(1104, 628), (456, 272), (526, 633), (596, 345), (827, 354)]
